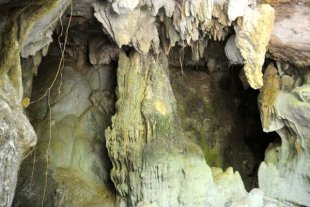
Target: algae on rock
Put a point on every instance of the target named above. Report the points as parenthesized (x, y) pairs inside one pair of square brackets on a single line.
[(208, 114), (146, 145), (17, 135), (267, 96)]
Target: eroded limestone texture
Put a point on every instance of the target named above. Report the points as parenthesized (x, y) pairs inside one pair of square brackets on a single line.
[(154, 162), (189, 23), (17, 135), (252, 37), (129, 29), (70, 128), (210, 118), (148, 152), (285, 172)]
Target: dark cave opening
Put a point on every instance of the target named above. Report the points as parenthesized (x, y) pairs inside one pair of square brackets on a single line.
[(254, 137), (223, 111)]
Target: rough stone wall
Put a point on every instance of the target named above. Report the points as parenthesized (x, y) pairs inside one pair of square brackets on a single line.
[(290, 36), (69, 165), (16, 135), (185, 23), (154, 164), (209, 115), (285, 109)]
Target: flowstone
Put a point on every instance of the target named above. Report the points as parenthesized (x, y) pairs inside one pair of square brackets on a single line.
[(152, 161), (70, 128), (285, 173)]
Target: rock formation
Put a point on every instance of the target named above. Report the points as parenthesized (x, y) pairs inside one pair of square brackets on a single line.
[(17, 134), (285, 107), (140, 103), (252, 37), (71, 129), (189, 21), (285, 175), (148, 151), (290, 36)]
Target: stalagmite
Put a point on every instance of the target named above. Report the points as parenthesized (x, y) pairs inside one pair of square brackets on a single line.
[(148, 152)]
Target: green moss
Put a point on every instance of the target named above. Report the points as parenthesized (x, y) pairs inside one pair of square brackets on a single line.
[(33, 12), (163, 126), (16, 29), (9, 46), (193, 110), (9, 55), (212, 155)]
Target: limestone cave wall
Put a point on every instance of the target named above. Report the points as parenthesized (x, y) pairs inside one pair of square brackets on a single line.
[(152, 103)]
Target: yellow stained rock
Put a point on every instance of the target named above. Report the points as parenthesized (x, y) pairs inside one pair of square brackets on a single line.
[(252, 38), (268, 95), (160, 107), (26, 102)]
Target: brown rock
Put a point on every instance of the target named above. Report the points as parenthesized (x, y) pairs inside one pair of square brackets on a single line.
[(290, 37)]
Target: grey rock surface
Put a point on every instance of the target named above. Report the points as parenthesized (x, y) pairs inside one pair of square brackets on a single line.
[(40, 35), (232, 52), (285, 175), (16, 136), (78, 163)]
